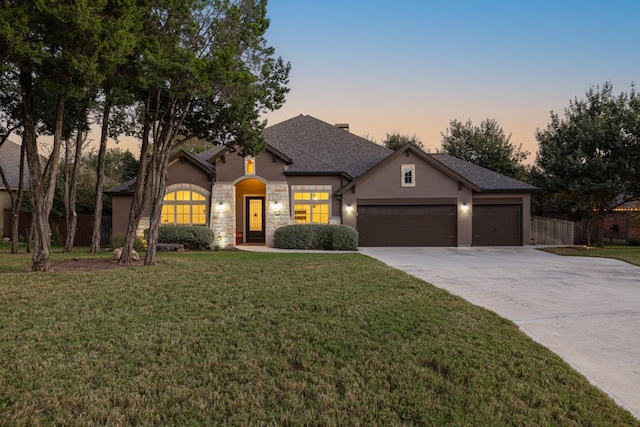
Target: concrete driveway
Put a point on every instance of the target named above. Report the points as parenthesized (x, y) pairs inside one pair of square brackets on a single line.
[(587, 310)]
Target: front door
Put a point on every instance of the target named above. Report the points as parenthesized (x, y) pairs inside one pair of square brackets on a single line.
[(255, 220)]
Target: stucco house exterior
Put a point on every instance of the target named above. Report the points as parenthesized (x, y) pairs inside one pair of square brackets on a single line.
[(315, 172)]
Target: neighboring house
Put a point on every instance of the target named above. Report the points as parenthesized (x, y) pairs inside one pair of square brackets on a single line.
[(10, 162), (623, 224), (314, 172)]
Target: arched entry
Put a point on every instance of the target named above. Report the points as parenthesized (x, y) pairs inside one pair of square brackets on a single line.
[(250, 211)]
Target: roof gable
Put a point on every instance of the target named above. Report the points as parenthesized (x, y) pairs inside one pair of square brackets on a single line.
[(472, 176), (198, 162), (212, 154)]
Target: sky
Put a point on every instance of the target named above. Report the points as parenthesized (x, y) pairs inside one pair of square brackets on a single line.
[(412, 66)]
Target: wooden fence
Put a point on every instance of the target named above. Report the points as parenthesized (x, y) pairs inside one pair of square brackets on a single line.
[(84, 228), (552, 231)]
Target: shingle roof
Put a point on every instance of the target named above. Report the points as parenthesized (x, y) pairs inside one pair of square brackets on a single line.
[(10, 162), (211, 152), (485, 179), (319, 147), (125, 187)]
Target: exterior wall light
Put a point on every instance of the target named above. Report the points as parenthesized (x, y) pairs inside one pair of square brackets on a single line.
[(464, 207), (349, 207), (220, 206)]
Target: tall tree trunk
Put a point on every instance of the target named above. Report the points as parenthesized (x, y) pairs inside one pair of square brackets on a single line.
[(165, 136), (41, 199), (66, 174), (157, 188), (72, 217), (40, 216), (97, 208), (139, 194), (51, 174)]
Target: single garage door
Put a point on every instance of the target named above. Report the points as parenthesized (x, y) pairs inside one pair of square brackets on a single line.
[(418, 225), (497, 225)]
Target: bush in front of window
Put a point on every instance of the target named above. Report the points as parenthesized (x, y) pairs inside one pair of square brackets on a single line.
[(192, 237), (316, 236)]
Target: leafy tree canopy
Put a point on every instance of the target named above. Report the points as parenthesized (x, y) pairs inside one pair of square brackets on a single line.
[(486, 145), (591, 156), (395, 141)]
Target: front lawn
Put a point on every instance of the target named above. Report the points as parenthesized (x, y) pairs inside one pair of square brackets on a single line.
[(630, 254), (240, 338)]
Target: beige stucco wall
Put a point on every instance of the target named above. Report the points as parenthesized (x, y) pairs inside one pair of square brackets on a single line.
[(120, 218), (230, 167), (432, 186), (185, 172)]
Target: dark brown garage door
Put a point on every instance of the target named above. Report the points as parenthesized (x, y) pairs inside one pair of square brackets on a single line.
[(433, 225), (497, 225)]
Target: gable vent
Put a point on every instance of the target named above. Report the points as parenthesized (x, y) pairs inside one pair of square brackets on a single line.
[(343, 126)]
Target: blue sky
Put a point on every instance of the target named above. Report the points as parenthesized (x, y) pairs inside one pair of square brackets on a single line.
[(411, 66)]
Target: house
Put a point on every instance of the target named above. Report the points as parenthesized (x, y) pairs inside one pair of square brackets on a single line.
[(10, 162), (315, 172)]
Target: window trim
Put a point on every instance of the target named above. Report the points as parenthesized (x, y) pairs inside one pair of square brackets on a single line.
[(175, 203), (296, 189), (249, 165), (408, 169)]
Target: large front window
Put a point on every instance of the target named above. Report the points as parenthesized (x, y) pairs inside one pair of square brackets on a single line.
[(311, 207), (184, 207)]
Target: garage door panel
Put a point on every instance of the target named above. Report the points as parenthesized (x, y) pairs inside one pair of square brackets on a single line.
[(407, 225), (497, 225)]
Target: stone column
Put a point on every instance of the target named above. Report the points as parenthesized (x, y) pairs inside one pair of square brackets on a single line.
[(223, 219), (277, 209)]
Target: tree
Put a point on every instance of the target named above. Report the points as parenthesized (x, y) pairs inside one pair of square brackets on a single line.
[(590, 157), (208, 74), (55, 45), (395, 141), (486, 145)]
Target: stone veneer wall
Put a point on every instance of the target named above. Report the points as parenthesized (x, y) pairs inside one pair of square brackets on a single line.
[(277, 210), (222, 217)]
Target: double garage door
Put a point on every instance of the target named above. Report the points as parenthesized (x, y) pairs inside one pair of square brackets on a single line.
[(407, 225), (436, 225)]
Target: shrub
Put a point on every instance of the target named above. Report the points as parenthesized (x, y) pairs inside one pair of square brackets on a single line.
[(193, 237), (118, 241), (344, 238), (316, 236)]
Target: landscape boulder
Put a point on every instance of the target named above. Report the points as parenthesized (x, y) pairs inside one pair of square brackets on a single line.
[(117, 252)]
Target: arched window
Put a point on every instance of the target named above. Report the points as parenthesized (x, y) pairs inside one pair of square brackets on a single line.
[(184, 207)]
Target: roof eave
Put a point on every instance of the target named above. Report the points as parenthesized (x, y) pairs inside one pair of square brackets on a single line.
[(323, 173)]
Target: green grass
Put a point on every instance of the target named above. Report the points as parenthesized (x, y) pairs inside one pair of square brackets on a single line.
[(630, 254), (237, 338)]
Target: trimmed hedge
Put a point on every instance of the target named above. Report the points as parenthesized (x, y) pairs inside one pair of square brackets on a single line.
[(316, 236), (193, 237)]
